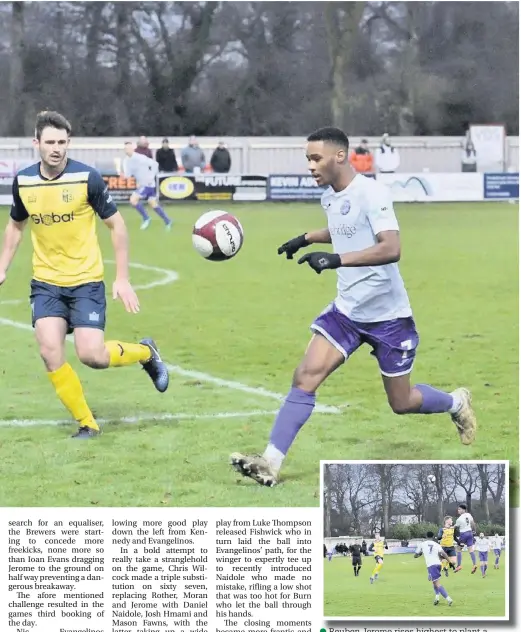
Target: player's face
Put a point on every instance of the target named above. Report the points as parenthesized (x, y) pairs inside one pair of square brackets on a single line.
[(129, 150), (460, 511), (324, 161), (53, 146), (448, 522)]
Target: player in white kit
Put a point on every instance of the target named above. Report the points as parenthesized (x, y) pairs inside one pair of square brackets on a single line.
[(467, 529), (497, 544), (144, 170), (483, 547), (371, 306), (433, 553)]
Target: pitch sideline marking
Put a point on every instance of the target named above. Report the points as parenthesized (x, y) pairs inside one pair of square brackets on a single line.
[(7, 423)]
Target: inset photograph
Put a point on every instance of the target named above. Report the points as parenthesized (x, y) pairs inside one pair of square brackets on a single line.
[(415, 540)]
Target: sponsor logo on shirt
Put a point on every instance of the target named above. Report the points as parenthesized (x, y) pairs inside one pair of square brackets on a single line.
[(343, 229), (51, 218)]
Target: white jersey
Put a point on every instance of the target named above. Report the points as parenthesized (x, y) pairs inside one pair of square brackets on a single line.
[(497, 542), (464, 522), (430, 551), (482, 544), (355, 216), (142, 168)]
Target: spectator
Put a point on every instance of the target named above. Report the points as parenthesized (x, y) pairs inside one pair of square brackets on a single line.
[(387, 156), (165, 157), (192, 156), (469, 159), (143, 148), (364, 547), (221, 161), (361, 158)]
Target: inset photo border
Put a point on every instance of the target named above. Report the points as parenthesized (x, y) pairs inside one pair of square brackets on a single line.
[(415, 540)]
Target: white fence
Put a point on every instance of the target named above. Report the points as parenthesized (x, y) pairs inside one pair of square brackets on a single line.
[(265, 155)]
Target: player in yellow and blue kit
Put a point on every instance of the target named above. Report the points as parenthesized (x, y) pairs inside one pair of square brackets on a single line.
[(61, 198), (447, 538), (378, 546)]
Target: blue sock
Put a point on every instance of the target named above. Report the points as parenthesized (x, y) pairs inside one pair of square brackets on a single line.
[(442, 591), (293, 414), (434, 401), (141, 210), (162, 214)]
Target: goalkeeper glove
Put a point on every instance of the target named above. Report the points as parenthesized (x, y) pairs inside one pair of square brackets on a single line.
[(293, 245), (321, 261)]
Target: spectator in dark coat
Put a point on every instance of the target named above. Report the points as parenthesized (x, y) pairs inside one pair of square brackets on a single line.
[(221, 160), (165, 158)]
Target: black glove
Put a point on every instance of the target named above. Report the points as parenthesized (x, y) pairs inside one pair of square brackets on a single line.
[(452, 565), (321, 261), (293, 245)]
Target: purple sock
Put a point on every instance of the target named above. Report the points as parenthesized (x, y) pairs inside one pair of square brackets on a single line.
[(473, 557), (442, 591), (435, 589), (162, 214), (459, 557), (497, 561), (293, 414), (434, 401), (141, 210)]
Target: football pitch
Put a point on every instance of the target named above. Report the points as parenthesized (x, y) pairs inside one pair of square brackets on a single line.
[(233, 332), (402, 590)]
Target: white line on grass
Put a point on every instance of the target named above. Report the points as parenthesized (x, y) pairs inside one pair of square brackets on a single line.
[(137, 418), (169, 276)]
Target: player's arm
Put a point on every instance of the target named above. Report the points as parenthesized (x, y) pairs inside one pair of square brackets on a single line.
[(418, 552), (13, 231), (322, 236)]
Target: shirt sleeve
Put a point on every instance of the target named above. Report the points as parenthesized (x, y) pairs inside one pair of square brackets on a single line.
[(418, 550), (381, 211), (99, 197), (18, 211)]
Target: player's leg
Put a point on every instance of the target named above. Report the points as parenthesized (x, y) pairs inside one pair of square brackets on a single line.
[(333, 342), (497, 553), (154, 204), (378, 567), (459, 557), (440, 590), (135, 201), (50, 315), (472, 553), (394, 345), (87, 318)]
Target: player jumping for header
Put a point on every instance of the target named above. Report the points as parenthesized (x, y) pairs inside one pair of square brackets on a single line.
[(467, 528), (371, 306), (144, 170), (61, 198)]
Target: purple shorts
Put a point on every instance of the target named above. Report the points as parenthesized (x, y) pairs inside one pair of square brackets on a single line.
[(394, 342), (467, 538), (147, 192), (497, 552), (483, 556), (433, 572)]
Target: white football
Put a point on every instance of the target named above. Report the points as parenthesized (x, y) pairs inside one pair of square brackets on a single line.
[(217, 235), (431, 478)]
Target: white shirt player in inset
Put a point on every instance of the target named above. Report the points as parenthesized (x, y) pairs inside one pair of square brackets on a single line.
[(467, 528), (371, 306), (483, 547), (433, 553), (497, 545), (144, 170)]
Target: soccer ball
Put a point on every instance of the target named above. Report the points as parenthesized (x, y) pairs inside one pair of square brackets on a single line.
[(217, 235), (431, 478)]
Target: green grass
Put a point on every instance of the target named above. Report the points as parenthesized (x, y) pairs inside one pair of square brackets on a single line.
[(402, 590), (247, 320)]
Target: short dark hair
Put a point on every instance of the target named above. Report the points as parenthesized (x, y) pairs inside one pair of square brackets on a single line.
[(462, 506), (330, 135), (49, 118), (430, 534)]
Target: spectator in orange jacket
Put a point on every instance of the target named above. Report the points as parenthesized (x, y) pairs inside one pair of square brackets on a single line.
[(361, 158)]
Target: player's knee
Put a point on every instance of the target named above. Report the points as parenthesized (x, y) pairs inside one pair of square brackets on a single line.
[(93, 357), (52, 357), (307, 378), (400, 407)]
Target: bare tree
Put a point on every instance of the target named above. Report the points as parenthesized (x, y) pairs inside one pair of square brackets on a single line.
[(16, 79)]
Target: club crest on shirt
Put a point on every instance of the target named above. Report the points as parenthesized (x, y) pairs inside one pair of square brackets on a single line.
[(67, 196), (345, 208)]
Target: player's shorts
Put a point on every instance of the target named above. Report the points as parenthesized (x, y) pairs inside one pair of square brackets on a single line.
[(434, 572), (81, 305), (466, 538), (394, 342), (146, 193), (449, 550), (483, 556), (378, 559), (356, 560), (497, 552)]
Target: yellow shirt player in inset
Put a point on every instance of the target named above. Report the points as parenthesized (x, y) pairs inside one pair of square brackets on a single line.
[(378, 546), (447, 537), (61, 198)]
